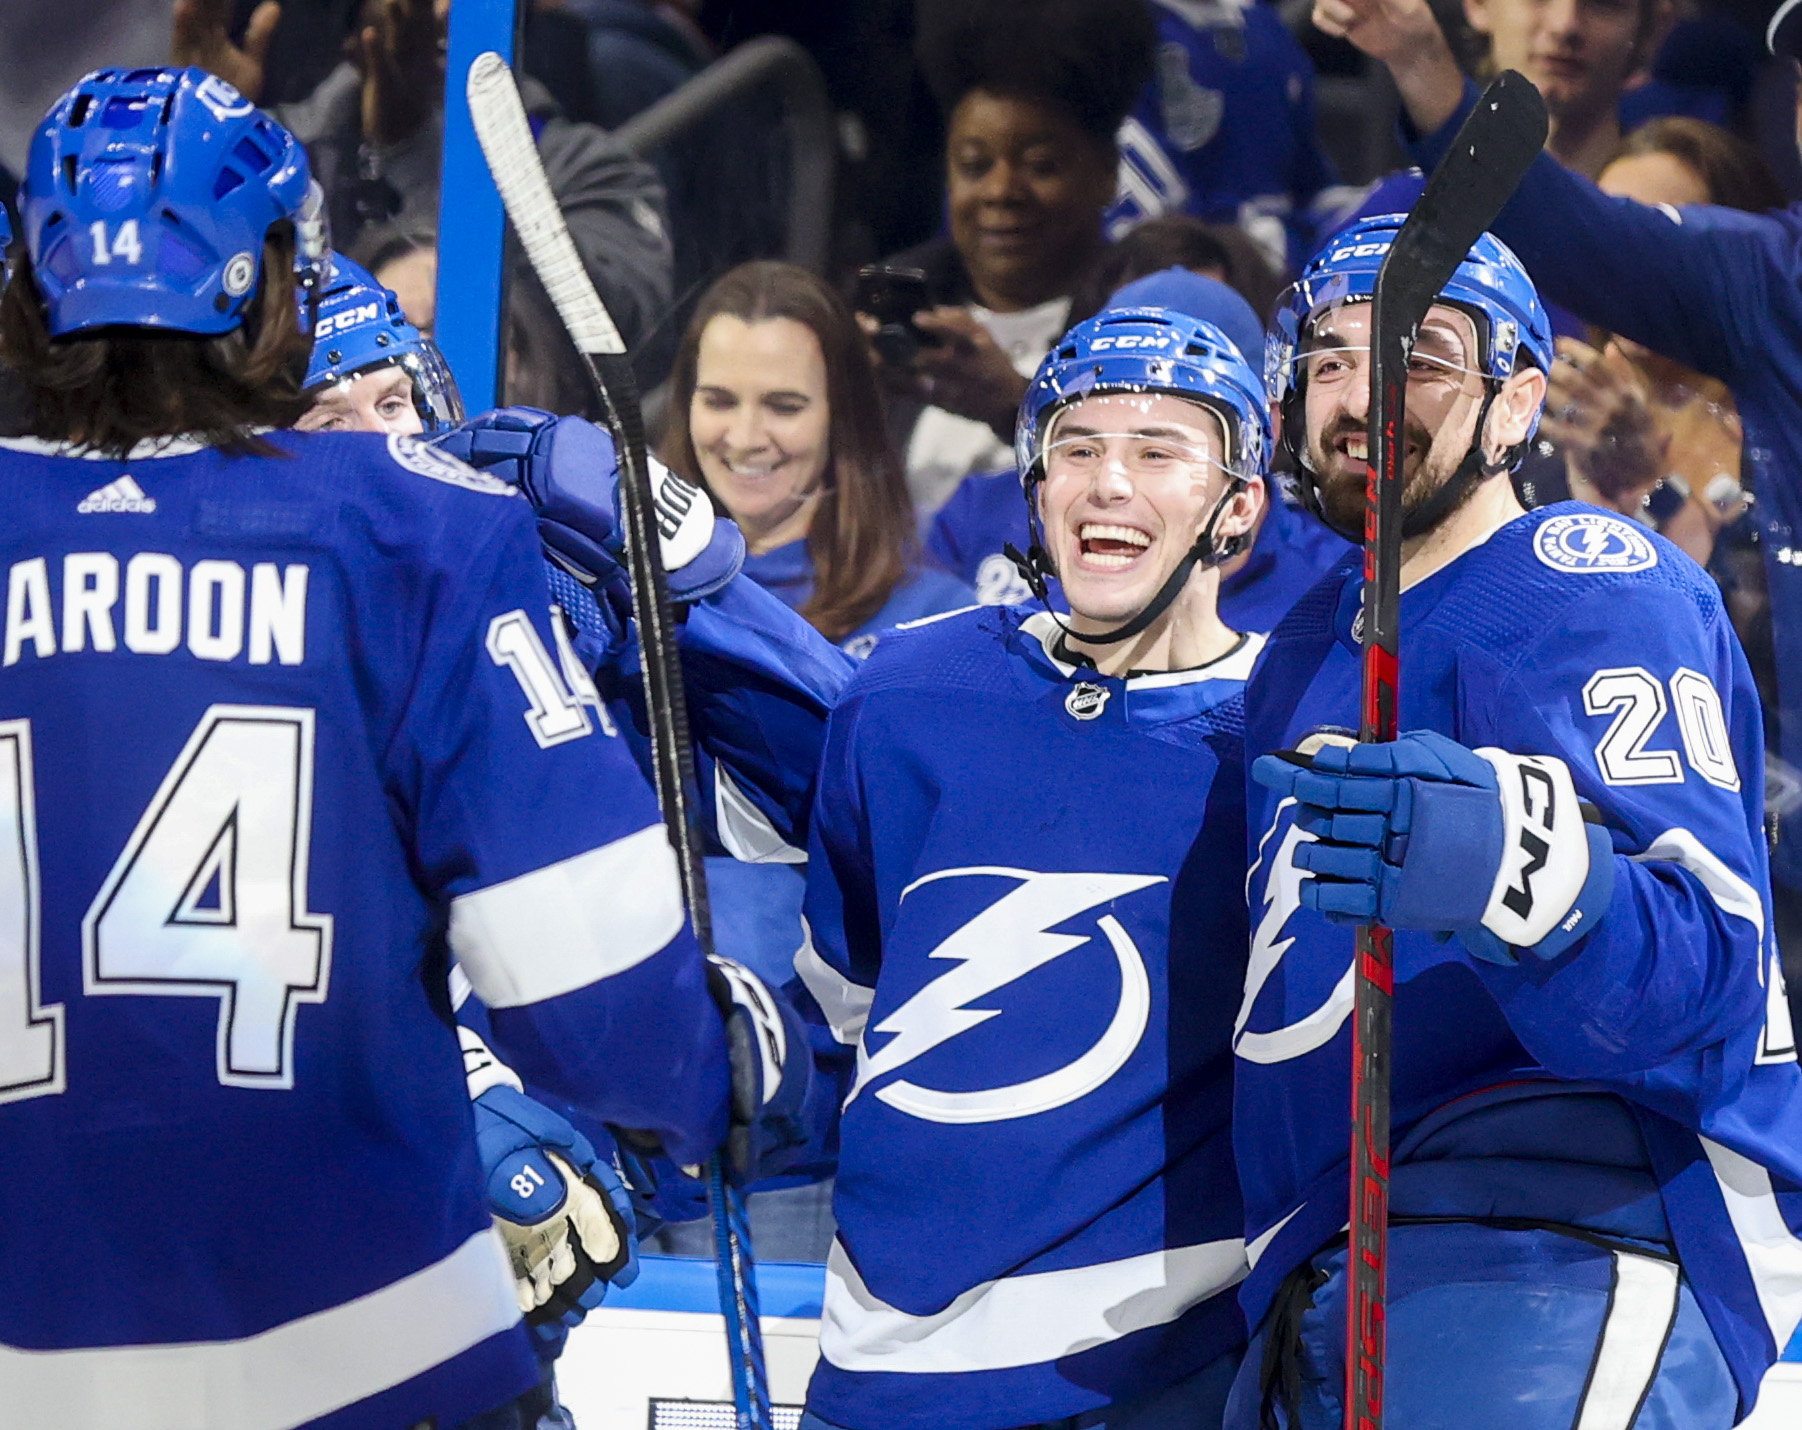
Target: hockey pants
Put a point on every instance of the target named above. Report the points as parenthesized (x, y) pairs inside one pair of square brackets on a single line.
[(1491, 1328)]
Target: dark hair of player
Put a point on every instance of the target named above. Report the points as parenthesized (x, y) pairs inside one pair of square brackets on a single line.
[(862, 539), (1180, 241), (1734, 173), (1090, 58), (122, 386)]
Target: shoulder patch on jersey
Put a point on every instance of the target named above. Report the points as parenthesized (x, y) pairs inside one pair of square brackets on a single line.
[(425, 460), (1592, 543)]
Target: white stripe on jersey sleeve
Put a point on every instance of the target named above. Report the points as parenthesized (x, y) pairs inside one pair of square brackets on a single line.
[(1731, 894), (569, 924), (1020, 1320), (845, 1004), (745, 829), (288, 1375), (1773, 1252)]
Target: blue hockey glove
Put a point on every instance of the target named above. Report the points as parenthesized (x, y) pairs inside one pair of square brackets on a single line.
[(772, 1072), (565, 1216), (567, 469), (1422, 833)]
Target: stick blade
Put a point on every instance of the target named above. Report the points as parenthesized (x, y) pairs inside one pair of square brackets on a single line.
[(1474, 181), (505, 134)]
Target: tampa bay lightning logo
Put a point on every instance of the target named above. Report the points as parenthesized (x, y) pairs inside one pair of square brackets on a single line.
[(425, 460), (1592, 542), (1007, 940), (999, 582), (221, 100), (1270, 940)]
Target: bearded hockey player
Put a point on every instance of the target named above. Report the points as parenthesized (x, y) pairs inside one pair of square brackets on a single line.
[(1027, 932), (1596, 1103), (284, 737)]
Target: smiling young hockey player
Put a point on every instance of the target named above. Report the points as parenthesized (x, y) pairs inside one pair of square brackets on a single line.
[(1028, 933), (283, 737), (1596, 1103)]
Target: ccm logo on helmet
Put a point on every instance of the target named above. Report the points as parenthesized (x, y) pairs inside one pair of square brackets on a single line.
[(350, 318), (1129, 340), (1359, 250)]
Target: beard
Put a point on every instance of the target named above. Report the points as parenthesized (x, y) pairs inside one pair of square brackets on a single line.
[(1427, 465)]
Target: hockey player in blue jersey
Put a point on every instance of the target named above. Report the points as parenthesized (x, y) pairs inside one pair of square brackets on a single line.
[(1597, 1112), (284, 737), (371, 369), (761, 682), (1712, 288), (1027, 934)]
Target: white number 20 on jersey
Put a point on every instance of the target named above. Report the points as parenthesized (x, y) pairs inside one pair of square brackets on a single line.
[(1635, 697), (207, 900)]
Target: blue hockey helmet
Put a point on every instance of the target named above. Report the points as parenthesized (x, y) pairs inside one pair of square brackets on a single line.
[(1147, 350), (360, 327), (1144, 350), (1490, 285), (147, 197)]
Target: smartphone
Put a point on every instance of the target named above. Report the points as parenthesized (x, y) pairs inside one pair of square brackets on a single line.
[(892, 295)]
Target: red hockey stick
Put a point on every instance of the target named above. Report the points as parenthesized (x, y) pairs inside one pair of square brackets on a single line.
[(1466, 192)]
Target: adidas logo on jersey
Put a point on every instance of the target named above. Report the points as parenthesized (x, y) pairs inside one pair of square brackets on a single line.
[(123, 494)]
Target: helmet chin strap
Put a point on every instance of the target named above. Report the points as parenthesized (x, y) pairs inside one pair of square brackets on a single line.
[(1035, 567)]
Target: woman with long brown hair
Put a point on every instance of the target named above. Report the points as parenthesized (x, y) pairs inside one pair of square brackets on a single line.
[(774, 409)]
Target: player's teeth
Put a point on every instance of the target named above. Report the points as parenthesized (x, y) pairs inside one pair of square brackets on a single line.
[(1101, 558), (1358, 447), (1094, 531)]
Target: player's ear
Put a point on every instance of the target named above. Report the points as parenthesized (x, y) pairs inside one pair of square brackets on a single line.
[(1516, 405), (1476, 12), (1247, 506)]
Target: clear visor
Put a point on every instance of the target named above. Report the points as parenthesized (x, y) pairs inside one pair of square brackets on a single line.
[(1146, 435), (430, 386), (1333, 350), (434, 389)]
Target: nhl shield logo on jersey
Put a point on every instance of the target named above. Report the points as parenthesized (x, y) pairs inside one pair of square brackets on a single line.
[(1087, 700), (428, 461), (1593, 543)]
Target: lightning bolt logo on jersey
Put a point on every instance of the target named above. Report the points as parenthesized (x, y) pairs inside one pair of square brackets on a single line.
[(1004, 943), (1028, 938), (1571, 635)]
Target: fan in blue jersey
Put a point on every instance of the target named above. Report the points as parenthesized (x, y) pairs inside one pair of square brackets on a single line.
[(283, 736), (1027, 933), (1226, 131), (371, 369), (1597, 1112)]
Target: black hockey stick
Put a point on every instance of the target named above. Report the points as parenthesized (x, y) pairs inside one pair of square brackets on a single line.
[(1478, 174), (506, 139)]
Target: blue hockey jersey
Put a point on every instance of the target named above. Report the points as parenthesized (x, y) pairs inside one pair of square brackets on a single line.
[(1027, 938), (279, 738), (1720, 291), (1644, 1084), (1226, 129)]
